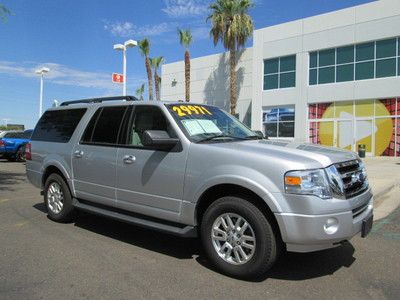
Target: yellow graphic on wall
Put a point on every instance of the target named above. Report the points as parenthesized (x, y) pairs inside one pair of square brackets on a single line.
[(359, 131)]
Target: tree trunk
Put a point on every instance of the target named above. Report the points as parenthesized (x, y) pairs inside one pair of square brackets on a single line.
[(149, 77), (187, 76), (157, 85), (233, 81)]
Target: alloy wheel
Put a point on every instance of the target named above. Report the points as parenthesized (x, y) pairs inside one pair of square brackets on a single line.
[(233, 238)]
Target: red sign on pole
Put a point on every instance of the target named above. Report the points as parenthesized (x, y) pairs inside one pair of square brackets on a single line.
[(118, 78)]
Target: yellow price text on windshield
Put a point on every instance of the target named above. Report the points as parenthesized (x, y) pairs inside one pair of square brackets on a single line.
[(184, 110)]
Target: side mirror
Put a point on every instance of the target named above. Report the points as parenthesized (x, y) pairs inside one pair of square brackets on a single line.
[(259, 133), (158, 139)]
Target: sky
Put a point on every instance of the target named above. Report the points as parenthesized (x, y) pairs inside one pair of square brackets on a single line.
[(75, 38)]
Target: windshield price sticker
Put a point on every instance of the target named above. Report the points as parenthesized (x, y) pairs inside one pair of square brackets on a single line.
[(184, 110), (198, 126)]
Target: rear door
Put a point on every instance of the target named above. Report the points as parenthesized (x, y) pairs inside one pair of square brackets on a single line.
[(94, 157), (150, 181)]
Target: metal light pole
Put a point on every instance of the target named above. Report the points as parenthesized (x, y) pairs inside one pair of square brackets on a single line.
[(41, 72), (6, 122), (126, 45)]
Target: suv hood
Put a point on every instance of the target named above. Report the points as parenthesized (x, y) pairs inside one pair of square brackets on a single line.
[(312, 155)]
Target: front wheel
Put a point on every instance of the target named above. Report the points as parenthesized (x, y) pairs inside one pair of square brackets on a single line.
[(58, 199), (238, 238)]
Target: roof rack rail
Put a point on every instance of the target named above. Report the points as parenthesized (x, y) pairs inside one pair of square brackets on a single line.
[(99, 100)]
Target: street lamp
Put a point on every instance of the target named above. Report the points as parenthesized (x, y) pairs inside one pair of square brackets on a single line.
[(126, 45), (6, 122), (41, 72)]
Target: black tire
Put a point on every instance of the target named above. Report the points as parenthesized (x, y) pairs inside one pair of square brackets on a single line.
[(67, 213), (267, 246), (20, 154)]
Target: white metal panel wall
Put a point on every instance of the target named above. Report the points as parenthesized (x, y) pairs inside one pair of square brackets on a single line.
[(372, 21)]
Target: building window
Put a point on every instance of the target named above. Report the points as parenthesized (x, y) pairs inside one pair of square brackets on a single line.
[(347, 124), (278, 122), (280, 72), (355, 62)]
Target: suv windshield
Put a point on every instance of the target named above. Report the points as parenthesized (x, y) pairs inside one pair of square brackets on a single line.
[(203, 123)]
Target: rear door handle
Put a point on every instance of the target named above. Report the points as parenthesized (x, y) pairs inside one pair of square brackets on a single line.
[(78, 153), (129, 159)]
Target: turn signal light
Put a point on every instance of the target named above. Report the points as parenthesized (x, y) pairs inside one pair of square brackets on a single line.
[(292, 180)]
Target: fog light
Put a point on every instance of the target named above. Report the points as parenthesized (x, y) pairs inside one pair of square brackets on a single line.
[(331, 225)]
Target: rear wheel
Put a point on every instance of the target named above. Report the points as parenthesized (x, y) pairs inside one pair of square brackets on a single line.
[(58, 199), (238, 238), (20, 155)]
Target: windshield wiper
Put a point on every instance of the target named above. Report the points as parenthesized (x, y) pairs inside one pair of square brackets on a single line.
[(210, 138), (253, 137)]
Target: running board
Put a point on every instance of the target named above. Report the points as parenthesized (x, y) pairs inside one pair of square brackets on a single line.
[(187, 231)]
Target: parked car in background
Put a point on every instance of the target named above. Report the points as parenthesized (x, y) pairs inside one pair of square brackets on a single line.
[(12, 144)]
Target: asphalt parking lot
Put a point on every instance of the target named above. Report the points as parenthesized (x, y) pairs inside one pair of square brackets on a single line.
[(100, 258)]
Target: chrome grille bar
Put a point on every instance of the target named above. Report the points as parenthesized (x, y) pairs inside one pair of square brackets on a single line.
[(354, 181)]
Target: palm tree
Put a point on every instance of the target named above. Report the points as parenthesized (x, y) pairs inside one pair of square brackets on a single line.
[(185, 38), (232, 26), (156, 62), (144, 47), (4, 13), (140, 92)]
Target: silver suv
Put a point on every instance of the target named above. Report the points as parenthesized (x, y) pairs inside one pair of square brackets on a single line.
[(194, 170)]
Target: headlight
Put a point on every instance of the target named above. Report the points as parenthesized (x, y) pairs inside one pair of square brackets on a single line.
[(308, 182), (363, 169)]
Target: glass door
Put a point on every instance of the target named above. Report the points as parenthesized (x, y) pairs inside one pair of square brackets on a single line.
[(364, 134), (344, 137)]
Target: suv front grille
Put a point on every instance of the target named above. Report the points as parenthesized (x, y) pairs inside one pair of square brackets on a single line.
[(353, 177)]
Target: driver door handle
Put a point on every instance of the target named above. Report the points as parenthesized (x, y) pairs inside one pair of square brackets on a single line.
[(78, 153), (129, 159)]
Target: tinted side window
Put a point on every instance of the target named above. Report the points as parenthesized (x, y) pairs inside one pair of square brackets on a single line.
[(106, 126), (57, 125), (13, 135)]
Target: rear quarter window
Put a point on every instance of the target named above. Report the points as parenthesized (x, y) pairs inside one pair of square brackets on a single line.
[(57, 125), (14, 135)]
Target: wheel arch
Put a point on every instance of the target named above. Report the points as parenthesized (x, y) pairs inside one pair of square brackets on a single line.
[(51, 169), (221, 190)]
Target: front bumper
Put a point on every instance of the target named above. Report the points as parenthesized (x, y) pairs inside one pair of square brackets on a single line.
[(307, 233)]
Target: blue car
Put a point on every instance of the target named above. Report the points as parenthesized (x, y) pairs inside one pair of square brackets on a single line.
[(12, 144), (279, 114)]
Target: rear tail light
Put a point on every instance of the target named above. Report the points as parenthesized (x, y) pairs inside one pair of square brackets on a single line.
[(1, 143), (28, 151)]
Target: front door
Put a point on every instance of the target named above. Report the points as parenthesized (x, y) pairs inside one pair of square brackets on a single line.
[(150, 181), (364, 134), (344, 134), (94, 158)]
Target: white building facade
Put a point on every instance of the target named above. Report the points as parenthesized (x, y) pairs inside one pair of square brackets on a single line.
[(331, 79)]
